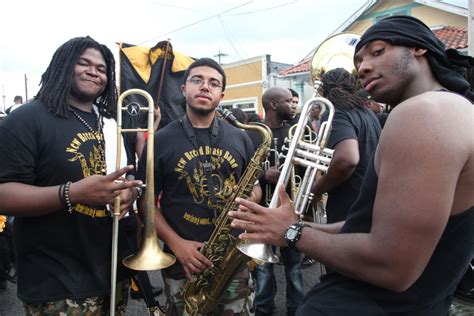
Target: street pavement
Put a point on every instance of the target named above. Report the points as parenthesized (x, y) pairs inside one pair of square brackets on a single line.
[(11, 306)]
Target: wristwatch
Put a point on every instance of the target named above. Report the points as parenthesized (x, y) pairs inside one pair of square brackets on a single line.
[(293, 234)]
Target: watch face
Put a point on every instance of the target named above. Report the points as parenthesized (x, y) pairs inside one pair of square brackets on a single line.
[(291, 233)]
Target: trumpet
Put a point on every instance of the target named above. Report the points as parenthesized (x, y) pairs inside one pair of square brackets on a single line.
[(149, 255), (312, 156), (336, 51)]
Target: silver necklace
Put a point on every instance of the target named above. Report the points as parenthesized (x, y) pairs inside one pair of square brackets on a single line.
[(99, 135)]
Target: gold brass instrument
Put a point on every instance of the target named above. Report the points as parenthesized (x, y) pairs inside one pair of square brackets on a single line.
[(204, 292), (336, 51), (149, 255)]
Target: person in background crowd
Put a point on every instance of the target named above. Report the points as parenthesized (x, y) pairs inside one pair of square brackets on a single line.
[(18, 101), (315, 118), (279, 107), (295, 101), (380, 110)]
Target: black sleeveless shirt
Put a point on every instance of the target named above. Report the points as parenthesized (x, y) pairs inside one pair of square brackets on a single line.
[(430, 295)]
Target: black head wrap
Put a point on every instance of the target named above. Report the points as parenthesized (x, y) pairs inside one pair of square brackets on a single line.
[(448, 66)]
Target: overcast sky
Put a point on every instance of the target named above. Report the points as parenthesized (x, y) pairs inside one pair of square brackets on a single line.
[(286, 29)]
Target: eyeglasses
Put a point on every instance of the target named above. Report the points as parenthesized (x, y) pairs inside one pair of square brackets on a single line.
[(212, 84)]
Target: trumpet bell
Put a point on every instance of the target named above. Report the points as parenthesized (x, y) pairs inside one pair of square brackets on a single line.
[(258, 251), (149, 257)]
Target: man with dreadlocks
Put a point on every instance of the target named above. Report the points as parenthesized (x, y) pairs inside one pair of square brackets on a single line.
[(354, 136), (408, 237), (55, 181)]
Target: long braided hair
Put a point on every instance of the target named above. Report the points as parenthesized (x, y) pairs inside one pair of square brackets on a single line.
[(56, 81), (339, 86)]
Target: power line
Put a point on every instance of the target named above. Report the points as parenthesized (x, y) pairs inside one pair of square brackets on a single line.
[(180, 7), (264, 9), (228, 35), (199, 21)]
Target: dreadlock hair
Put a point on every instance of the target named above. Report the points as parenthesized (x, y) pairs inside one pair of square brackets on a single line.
[(339, 86), (56, 81)]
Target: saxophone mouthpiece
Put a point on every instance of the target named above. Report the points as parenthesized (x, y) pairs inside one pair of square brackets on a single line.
[(228, 115)]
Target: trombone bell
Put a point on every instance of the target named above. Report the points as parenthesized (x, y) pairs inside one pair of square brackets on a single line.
[(149, 257)]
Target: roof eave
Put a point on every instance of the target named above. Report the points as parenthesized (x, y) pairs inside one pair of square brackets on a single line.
[(364, 8), (445, 7)]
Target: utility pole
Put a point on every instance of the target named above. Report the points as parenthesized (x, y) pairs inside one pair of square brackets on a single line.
[(26, 89), (219, 55), (470, 31), (3, 97)]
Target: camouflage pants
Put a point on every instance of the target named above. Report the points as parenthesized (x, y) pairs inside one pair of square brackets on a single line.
[(92, 306), (236, 299)]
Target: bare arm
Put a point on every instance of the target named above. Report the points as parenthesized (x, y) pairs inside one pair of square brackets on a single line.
[(343, 163), (18, 199), (333, 228)]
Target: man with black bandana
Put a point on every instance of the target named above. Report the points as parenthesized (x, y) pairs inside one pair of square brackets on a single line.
[(198, 160), (408, 238)]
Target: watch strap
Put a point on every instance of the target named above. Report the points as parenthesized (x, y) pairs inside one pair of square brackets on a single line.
[(298, 227)]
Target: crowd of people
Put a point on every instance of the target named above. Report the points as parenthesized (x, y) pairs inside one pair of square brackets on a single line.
[(399, 234)]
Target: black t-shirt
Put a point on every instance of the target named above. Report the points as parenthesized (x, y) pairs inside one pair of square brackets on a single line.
[(59, 255), (186, 203), (362, 125), (430, 295), (279, 134)]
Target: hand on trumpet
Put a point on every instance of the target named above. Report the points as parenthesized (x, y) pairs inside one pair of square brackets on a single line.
[(262, 224), (98, 190)]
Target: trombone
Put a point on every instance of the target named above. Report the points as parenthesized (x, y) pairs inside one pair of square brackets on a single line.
[(149, 255)]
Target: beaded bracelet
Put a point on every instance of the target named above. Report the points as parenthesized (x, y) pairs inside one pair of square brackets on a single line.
[(61, 195), (67, 198)]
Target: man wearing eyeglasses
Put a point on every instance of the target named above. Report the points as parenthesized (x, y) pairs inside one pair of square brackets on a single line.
[(198, 160)]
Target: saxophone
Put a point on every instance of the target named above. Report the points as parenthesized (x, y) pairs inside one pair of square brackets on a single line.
[(204, 292)]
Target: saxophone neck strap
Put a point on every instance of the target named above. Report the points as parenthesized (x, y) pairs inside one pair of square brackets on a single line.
[(207, 163), (189, 131)]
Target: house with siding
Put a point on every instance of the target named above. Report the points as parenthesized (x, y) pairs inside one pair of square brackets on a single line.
[(447, 19)]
